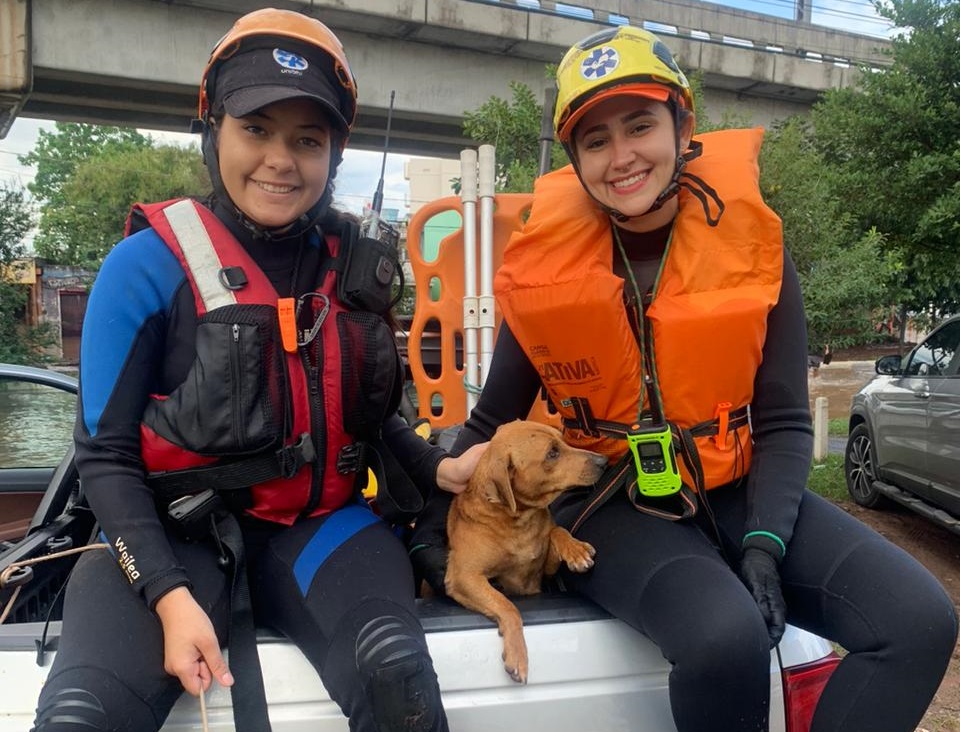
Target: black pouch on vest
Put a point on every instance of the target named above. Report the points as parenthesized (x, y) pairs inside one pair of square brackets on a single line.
[(366, 282), (372, 378), (232, 400), (371, 372)]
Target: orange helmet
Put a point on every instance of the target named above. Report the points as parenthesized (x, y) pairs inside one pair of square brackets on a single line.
[(313, 66)]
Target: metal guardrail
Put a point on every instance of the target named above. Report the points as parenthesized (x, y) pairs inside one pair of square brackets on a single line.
[(605, 17)]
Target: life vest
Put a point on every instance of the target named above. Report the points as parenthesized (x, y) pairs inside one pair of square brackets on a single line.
[(708, 314), (249, 407)]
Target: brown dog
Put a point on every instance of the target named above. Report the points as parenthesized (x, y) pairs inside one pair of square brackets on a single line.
[(500, 527)]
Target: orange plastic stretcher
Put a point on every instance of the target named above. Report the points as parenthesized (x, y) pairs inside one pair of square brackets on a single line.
[(437, 326)]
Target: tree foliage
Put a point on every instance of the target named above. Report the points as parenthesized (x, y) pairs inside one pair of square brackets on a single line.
[(18, 343), (843, 270), (97, 196), (894, 144), (513, 127), (58, 153), (16, 220), (87, 178)]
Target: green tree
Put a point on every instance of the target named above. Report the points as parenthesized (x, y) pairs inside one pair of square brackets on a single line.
[(513, 127), (894, 144), (55, 157), (18, 343), (97, 196), (844, 271), (57, 153)]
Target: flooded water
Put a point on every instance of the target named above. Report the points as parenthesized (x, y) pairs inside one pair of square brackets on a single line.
[(36, 425), (838, 382)]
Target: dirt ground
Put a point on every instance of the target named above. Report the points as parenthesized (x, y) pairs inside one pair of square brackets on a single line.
[(936, 548)]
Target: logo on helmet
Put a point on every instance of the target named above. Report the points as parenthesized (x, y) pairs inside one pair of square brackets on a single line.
[(290, 61), (599, 63)]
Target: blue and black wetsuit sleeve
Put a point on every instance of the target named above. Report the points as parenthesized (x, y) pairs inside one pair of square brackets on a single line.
[(122, 355)]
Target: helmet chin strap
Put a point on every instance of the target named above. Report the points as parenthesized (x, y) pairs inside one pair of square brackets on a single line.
[(305, 222)]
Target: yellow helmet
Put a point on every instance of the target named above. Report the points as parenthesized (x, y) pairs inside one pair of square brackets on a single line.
[(622, 60)]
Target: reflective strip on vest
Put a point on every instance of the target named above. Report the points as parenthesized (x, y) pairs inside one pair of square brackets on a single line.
[(200, 254)]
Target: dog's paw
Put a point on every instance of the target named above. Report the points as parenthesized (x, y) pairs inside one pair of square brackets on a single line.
[(579, 556), (515, 663)]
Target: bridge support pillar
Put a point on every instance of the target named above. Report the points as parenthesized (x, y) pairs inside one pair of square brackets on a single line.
[(16, 68)]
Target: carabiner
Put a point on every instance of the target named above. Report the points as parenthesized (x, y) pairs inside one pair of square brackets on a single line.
[(307, 335)]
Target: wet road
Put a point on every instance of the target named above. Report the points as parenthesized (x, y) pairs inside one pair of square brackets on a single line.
[(838, 382)]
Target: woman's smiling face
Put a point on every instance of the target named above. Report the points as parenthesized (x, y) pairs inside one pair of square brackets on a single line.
[(626, 151), (275, 162)]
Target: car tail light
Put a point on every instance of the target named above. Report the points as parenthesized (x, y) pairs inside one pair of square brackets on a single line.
[(802, 686)]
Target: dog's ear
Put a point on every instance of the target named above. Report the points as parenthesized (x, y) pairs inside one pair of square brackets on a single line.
[(494, 477)]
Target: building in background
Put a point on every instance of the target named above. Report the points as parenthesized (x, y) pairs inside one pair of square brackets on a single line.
[(56, 295), (429, 179)]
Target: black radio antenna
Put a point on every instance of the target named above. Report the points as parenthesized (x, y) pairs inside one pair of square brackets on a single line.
[(378, 196)]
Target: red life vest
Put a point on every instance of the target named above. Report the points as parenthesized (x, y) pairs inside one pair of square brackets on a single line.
[(557, 291), (207, 250)]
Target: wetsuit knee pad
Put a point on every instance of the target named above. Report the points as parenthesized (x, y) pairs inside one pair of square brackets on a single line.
[(398, 676), (69, 710), (89, 700)]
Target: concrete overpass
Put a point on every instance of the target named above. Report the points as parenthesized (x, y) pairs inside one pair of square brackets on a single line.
[(137, 62)]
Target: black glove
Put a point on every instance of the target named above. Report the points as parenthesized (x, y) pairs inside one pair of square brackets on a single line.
[(427, 543), (430, 564), (758, 569)]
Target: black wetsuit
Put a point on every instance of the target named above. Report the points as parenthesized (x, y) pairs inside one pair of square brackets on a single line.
[(676, 582), (339, 585)]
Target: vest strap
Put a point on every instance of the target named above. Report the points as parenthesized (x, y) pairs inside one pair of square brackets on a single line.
[(234, 475), (593, 427), (247, 693)]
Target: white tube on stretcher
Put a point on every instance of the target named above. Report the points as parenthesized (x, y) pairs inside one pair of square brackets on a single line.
[(487, 322), (468, 196)]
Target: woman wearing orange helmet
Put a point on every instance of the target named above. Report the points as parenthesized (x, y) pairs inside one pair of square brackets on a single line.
[(233, 392), (650, 295)]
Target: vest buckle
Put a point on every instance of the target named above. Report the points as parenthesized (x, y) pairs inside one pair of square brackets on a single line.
[(295, 456), (352, 458)]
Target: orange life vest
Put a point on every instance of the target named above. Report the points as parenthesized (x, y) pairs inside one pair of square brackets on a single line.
[(557, 291)]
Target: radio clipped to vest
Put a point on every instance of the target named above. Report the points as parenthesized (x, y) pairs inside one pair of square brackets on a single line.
[(655, 459), (370, 267), (372, 262)]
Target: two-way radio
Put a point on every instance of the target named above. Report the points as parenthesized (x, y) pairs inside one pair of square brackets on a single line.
[(655, 459)]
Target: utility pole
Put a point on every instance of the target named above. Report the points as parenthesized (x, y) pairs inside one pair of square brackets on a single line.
[(801, 15)]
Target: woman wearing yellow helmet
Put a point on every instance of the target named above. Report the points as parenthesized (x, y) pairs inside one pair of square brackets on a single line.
[(649, 294), (233, 392)]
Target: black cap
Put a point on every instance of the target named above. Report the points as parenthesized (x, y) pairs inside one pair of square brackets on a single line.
[(253, 79)]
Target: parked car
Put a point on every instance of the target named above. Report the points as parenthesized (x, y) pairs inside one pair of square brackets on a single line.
[(589, 672), (904, 442)]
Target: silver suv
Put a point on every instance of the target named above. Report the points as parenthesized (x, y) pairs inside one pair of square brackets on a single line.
[(904, 442)]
